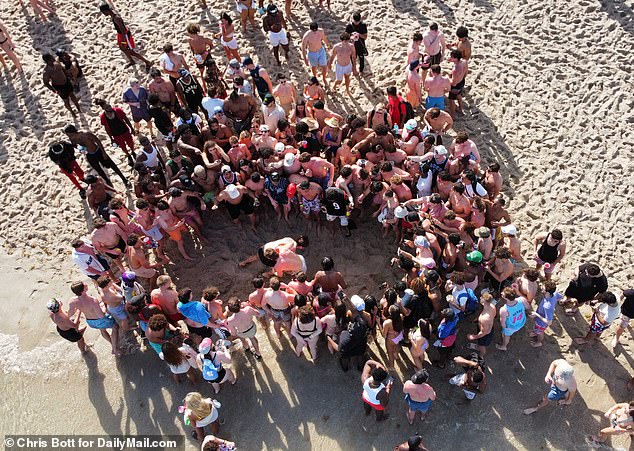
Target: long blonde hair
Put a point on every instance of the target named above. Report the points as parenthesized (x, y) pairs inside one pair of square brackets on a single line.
[(199, 406)]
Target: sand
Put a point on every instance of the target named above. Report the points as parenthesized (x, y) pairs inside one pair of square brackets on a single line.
[(550, 99)]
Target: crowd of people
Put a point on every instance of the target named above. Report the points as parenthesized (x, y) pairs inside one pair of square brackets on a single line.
[(229, 135)]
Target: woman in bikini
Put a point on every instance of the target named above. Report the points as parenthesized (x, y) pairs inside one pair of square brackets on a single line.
[(420, 343), (227, 38), (393, 334), (621, 418), (7, 45), (306, 329)]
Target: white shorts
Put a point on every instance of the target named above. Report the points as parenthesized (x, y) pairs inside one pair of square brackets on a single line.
[(233, 44), (340, 71), (278, 38), (343, 220), (241, 7)]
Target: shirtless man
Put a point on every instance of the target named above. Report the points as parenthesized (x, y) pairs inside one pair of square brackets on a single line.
[(281, 255), (286, 94), (527, 284), (238, 199), (344, 155), (309, 194), (166, 297), (500, 268), (458, 74), (314, 48), (240, 108), (463, 43), (164, 90), (484, 336), (437, 86), (274, 25), (458, 202), (67, 329), (108, 238), (241, 324), (139, 262), (57, 80), (277, 303), (125, 41), (95, 313), (172, 226), (255, 300), (512, 242), (112, 297), (206, 179), (171, 62), (496, 216), (434, 42), (88, 142), (200, 47), (439, 122), (563, 386), (345, 56), (220, 133), (317, 170), (493, 180), (181, 207), (329, 280)]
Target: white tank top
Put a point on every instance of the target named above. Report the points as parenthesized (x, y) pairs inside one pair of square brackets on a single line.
[(369, 393), (152, 158)]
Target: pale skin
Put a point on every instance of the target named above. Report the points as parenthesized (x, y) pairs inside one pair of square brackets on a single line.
[(242, 321), (93, 309), (279, 300), (9, 48), (504, 314), (344, 53), (485, 324), (137, 259), (310, 341), (561, 246), (105, 240), (313, 41), (620, 412), (178, 62), (63, 321), (436, 85), (169, 222), (553, 376), (440, 124), (312, 192), (420, 393), (112, 296), (201, 45), (492, 183), (458, 73), (166, 297)]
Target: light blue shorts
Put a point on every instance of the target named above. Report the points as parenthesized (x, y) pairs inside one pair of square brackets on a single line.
[(118, 312), (317, 58), (106, 322), (435, 102)]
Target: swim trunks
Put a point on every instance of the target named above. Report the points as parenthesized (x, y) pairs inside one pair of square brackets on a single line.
[(176, 235), (205, 331), (71, 335), (456, 90), (309, 206), (120, 245), (340, 71), (317, 58), (596, 327), (105, 322), (435, 102), (281, 315), (249, 333), (486, 340), (343, 220), (435, 59), (126, 40), (555, 394), (64, 90), (278, 38), (417, 406), (245, 205), (118, 312)]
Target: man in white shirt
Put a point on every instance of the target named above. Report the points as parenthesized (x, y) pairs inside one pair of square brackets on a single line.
[(434, 42), (89, 262), (272, 112)]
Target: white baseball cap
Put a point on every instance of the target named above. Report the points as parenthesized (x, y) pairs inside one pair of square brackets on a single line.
[(289, 159), (358, 302), (400, 212), (421, 241), (509, 230), (279, 147), (440, 150)]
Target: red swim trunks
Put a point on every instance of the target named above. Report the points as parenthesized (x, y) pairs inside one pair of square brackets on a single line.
[(125, 40)]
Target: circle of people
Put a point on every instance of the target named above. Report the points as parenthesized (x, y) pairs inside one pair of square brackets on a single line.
[(231, 138)]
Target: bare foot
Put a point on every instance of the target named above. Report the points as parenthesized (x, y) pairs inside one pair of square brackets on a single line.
[(536, 344), (529, 411), (613, 344), (501, 348), (571, 311), (580, 341)]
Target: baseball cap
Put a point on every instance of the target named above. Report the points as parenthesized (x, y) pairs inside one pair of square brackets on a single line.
[(358, 302), (421, 241), (232, 190), (440, 150), (279, 147), (225, 168), (289, 160), (271, 8), (205, 346), (53, 305), (264, 128), (474, 257), (183, 72), (411, 124), (268, 99), (400, 212), (234, 63), (509, 229), (483, 232)]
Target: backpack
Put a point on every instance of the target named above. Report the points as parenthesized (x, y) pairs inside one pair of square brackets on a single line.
[(409, 111), (472, 302), (358, 328), (210, 369)]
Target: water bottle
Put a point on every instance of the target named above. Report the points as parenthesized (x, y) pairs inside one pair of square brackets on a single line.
[(82, 149), (395, 130), (407, 296)]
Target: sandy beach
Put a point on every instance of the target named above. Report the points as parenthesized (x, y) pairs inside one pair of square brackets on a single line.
[(549, 97)]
